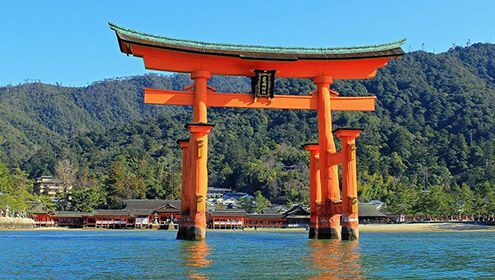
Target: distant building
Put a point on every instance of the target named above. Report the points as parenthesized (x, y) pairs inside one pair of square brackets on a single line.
[(41, 216), (369, 213), (217, 192), (236, 195), (138, 213), (71, 219), (378, 204), (227, 219), (267, 218), (47, 185), (165, 214), (238, 218), (297, 216)]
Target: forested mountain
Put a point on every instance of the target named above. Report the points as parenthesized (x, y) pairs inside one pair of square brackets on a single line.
[(432, 134)]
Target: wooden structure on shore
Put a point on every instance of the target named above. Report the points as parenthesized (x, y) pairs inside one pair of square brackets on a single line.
[(137, 213), (165, 214), (262, 64)]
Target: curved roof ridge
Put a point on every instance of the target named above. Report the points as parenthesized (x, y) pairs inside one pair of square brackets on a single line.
[(129, 34)]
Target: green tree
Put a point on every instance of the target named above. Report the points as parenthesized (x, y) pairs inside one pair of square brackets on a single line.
[(247, 204), (403, 199), (86, 199), (260, 202), (15, 189), (484, 202), (117, 184), (435, 202), (463, 200)]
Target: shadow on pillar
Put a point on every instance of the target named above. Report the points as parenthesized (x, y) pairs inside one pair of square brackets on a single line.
[(312, 233), (350, 233), (191, 232), (326, 233), (327, 224)]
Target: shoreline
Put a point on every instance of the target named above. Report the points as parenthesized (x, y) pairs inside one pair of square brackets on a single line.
[(365, 228), (14, 223), (395, 228), (427, 227)]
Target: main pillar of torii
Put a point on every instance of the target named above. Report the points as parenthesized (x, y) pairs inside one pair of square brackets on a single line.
[(329, 218), (202, 59), (192, 224)]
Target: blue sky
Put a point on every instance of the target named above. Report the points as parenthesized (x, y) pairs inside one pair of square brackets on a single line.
[(69, 42)]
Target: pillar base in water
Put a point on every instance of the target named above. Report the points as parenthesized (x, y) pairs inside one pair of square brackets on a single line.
[(328, 233), (312, 233), (191, 232), (350, 233)]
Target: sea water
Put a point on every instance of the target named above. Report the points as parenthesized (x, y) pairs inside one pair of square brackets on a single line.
[(108, 254)]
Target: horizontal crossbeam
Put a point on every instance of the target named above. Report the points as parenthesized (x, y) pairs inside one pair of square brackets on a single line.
[(243, 100)]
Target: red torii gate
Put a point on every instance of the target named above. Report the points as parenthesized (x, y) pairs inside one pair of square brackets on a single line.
[(322, 65)]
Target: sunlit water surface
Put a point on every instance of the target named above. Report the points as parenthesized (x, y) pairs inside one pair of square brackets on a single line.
[(83, 254)]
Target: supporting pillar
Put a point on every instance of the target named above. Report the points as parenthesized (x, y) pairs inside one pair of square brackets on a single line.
[(193, 226), (350, 215), (314, 188), (329, 219), (185, 207)]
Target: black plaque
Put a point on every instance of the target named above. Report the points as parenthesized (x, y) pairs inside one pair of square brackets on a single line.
[(262, 83)]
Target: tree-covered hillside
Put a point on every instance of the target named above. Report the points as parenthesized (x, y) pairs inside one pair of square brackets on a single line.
[(430, 139)]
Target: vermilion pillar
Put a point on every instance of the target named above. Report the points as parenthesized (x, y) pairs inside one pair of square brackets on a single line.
[(185, 207), (200, 93), (198, 152), (329, 219), (350, 217), (314, 188), (193, 226)]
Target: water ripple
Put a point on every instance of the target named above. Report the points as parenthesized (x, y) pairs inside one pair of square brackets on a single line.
[(244, 255)]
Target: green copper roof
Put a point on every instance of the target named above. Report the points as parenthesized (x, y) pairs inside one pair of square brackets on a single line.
[(252, 51)]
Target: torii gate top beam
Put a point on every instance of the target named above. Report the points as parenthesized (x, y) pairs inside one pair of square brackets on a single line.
[(174, 55)]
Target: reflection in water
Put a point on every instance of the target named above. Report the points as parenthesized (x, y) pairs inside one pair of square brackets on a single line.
[(194, 255), (335, 259)]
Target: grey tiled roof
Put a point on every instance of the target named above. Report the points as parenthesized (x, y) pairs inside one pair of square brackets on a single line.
[(228, 213), (151, 204), (257, 52), (296, 210), (70, 214), (265, 216), (369, 210), (110, 212)]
